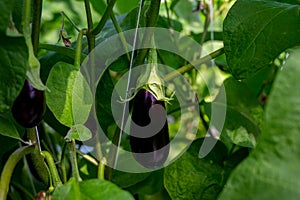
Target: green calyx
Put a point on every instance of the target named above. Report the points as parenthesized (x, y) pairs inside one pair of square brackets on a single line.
[(150, 80)]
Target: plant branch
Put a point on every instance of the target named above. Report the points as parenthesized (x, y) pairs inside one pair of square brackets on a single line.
[(189, 66), (88, 15), (69, 19), (104, 18), (121, 35), (151, 19), (9, 168), (36, 23)]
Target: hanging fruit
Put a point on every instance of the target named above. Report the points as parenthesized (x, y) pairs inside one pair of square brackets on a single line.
[(29, 107)]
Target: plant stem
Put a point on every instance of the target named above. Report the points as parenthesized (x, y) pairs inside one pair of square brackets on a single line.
[(151, 19), (188, 67), (88, 14), (90, 36), (9, 168), (73, 157), (52, 168), (168, 14), (69, 19), (104, 18), (91, 33), (88, 158), (33, 65), (36, 23), (121, 35), (77, 58), (101, 169)]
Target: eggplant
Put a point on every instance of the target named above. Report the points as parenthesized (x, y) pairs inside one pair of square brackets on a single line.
[(152, 151), (29, 107)]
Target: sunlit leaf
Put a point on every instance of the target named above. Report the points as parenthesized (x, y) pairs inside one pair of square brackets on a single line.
[(272, 169), (256, 32), (90, 189)]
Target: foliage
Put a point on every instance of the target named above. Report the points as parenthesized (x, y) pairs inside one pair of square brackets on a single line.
[(251, 85)]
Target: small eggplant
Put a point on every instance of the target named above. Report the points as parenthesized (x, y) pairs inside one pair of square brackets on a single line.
[(152, 151), (29, 107)]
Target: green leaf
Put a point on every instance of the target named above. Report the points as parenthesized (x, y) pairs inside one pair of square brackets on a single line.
[(241, 137), (90, 189), (8, 129), (151, 185), (79, 132), (6, 7), (69, 98), (13, 61), (272, 169), (192, 178), (242, 110), (256, 32), (125, 179)]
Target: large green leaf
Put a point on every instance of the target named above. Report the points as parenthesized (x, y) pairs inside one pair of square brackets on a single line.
[(90, 189), (256, 32), (6, 7), (272, 169), (192, 178), (13, 52), (69, 98), (243, 113), (125, 179)]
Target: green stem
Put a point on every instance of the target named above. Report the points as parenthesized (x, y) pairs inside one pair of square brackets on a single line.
[(188, 67), (121, 35), (26, 25), (70, 20), (77, 58), (73, 157), (151, 19), (168, 14), (89, 35), (88, 14), (88, 158), (36, 23), (101, 166), (33, 69), (104, 18), (101, 169), (9, 168), (52, 168)]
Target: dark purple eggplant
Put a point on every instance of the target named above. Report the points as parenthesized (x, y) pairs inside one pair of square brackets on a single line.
[(29, 107), (151, 152)]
